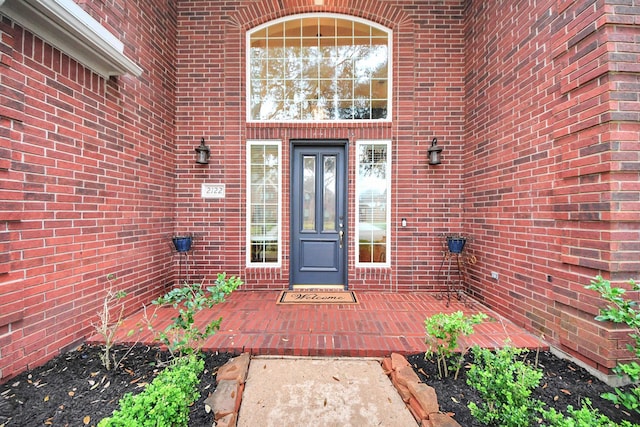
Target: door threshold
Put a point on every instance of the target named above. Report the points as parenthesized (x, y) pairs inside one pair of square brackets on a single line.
[(319, 287)]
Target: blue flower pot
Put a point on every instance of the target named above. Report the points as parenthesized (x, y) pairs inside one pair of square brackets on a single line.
[(456, 245), (182, 244)]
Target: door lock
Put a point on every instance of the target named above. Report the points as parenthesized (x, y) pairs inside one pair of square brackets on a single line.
[(341, 234)]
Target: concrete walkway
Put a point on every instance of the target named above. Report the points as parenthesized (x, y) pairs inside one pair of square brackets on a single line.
[(320, 392)]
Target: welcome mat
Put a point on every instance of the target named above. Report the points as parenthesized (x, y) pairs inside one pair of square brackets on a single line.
[(317, 297)]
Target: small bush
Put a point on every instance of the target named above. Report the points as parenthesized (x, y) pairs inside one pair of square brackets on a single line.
[(165, 402), (505, 385), (443, 331), (183, 336), (586, 416), (625, 311)]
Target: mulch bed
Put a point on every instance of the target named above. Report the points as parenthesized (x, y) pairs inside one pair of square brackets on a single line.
[(564, 383), (74, 389)]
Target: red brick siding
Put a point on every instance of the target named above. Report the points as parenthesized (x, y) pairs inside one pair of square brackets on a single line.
[(87, 181), (552, 162), (428, 101)]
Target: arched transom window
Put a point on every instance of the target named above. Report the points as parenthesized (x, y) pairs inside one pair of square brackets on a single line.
[(319, 67)]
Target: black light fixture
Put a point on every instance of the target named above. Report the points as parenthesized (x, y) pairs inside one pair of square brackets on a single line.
[(434, 152), (203, 153)]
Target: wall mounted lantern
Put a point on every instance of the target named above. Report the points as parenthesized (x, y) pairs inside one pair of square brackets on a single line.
[(203, 153), (434, 152)]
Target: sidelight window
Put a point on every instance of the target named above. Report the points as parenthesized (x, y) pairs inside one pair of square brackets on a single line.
[(373, 202), (263, 202)]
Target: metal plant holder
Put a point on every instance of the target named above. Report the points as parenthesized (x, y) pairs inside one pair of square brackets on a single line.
[(182, 244), (457, 259)]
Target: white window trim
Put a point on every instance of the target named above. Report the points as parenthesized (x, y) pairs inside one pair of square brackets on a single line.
[(388, 254), (249, 263), (321, 15), (65, 25)]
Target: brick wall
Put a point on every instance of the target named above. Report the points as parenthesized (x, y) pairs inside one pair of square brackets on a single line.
[(87, 181), (552, 163), (428, 59)]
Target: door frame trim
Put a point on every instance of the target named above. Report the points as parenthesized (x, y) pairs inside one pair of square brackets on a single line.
[(320, 142)]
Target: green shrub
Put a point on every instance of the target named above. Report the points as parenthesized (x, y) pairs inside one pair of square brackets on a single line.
[(625, 311), (505, 385), (443, 331), (165, 401), (586, 416), (183, 336)]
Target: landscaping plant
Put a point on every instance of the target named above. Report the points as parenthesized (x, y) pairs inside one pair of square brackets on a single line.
[(165, 401), (183, 336), (443, 331), (586, 416), (109, 323), (625, 311), (505, 385)]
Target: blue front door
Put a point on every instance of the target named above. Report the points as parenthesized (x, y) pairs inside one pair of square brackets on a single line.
[(318, 213)]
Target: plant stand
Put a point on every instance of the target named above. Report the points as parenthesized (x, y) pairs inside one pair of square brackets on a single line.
[(184, 259), (182, 246), (456, 257), (456, 278)]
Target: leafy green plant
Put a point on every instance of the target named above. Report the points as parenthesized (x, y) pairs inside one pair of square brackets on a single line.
[(505, 384), (625, 311), (586, 416), (109, 321), (443, 332), (183, 335), (165, 401)]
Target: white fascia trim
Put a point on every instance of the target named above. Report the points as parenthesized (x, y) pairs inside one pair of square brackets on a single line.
[(65, 25)]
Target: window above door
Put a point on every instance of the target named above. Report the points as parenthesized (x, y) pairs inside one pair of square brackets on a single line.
[(319, 68)]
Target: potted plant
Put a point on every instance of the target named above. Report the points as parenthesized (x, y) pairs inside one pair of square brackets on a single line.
[(455, 242), (182, 242)]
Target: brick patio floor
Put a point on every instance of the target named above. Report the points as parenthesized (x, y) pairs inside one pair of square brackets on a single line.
[(379, 324)]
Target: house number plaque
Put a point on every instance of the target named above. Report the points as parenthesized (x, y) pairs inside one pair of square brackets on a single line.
[(213, 191)]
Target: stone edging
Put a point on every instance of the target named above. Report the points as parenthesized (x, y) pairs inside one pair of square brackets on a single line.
[(420, 398), (225, 399)]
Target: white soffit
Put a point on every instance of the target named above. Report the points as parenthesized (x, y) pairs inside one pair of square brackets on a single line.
[(64, 24)]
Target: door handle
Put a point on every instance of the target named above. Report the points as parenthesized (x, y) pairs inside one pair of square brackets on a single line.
[(341, 234)]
